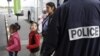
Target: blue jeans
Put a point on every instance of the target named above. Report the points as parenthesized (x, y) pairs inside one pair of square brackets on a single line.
[(13, 53)]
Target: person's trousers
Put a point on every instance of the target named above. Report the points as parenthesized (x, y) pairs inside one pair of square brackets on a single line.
[(43, 44), (13, 53), (35, 54)]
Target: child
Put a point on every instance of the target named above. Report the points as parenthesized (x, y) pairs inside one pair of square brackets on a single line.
[(34, 40), (14, 41)]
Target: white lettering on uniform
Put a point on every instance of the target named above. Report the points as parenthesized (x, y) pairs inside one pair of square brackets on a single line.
[(84, 32)]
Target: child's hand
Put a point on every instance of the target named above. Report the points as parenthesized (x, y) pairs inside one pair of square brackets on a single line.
[(7, 49)]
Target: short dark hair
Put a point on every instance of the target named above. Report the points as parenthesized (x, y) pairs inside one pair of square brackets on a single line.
[(51, 4)]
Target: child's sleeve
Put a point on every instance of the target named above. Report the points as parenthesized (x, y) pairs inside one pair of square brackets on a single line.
[(37, 42)]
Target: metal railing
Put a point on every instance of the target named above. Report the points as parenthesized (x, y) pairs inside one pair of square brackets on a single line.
[(7, 28)]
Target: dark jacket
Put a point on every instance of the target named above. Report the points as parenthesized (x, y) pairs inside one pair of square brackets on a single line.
[(45, 24), (34, 42), (65, 1), (74, 30)]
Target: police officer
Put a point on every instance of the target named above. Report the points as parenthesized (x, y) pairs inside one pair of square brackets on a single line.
[(74, 30)]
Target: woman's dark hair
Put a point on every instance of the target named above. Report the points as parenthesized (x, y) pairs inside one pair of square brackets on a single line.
[(15, 27), (52, 5)]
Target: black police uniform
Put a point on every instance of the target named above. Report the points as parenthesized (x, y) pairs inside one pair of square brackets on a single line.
[(74, 30)]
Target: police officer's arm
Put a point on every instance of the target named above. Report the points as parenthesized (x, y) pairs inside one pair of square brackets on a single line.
[(52, 36)]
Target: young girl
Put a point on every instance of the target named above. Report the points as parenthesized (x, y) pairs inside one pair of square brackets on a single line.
[(14, 41), (34, 40)]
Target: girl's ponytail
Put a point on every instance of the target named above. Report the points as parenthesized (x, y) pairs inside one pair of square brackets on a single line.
[(17, 26)]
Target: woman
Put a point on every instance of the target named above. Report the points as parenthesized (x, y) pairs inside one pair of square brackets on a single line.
[(50, 6)]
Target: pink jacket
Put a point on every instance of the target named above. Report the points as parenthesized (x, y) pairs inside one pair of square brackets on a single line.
[(14, 42)]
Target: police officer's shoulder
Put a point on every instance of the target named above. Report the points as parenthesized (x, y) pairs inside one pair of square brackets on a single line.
[(64, 5)]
